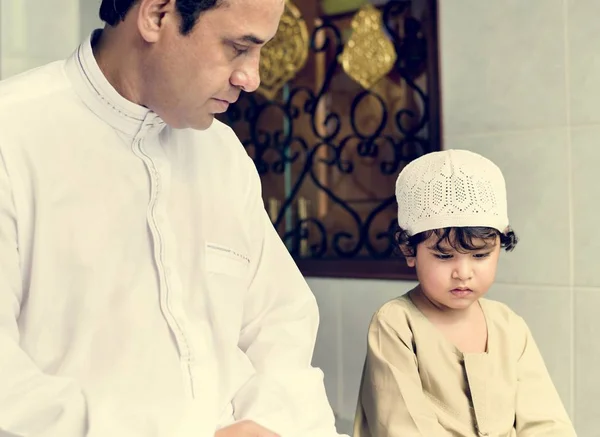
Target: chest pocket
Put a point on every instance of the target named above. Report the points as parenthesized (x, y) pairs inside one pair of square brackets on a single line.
[(227, 282), (223, 262)]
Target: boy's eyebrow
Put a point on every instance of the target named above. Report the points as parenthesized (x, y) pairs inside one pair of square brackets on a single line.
[(436, 248)]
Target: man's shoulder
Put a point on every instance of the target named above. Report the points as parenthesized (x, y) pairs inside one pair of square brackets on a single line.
[(39, 87)]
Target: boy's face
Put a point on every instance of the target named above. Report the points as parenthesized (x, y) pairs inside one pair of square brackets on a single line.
[(453, 280)]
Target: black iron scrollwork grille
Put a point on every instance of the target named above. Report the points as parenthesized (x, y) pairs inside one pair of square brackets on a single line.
[(302, 136)]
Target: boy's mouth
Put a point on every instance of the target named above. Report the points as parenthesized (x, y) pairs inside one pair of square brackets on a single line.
[(461, 291)]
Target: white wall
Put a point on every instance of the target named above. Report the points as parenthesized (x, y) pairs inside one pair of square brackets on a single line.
[(88, 13), (35, 32), (520, 85)]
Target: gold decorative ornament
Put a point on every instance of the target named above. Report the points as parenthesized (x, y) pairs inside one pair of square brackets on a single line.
[(368, 55), (285, 55)]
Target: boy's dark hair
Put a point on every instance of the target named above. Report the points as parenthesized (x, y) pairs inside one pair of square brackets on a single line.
[(461, 239), (114, 11)]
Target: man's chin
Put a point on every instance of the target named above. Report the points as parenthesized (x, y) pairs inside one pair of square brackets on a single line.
[(203, 124)]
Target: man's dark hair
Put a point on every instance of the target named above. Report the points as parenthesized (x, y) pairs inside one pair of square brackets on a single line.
[(461, 239), (114, 11)]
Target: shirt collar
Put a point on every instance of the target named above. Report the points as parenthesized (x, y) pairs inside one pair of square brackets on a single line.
[(101, 97)]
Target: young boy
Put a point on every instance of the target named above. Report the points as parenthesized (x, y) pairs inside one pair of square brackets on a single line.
[(441, 359)]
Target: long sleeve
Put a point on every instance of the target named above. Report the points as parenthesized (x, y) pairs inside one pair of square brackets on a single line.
[(278, 335), (391, 399), (539, 410), (32, 404)]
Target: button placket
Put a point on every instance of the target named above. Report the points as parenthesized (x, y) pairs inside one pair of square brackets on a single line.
[(170, 303)]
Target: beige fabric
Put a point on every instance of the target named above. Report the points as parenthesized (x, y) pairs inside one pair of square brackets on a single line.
[(416, 383)]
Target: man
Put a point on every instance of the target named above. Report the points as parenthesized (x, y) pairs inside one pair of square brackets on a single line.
[(143, 290)]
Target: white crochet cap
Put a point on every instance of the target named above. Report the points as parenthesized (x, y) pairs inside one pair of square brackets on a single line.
[(451, 188)]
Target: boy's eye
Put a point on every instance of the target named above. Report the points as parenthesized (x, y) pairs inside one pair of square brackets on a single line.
[(442, 256), (481, 255)]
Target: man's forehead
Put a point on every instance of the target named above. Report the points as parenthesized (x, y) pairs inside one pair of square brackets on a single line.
[(252, 20), (253, 6)]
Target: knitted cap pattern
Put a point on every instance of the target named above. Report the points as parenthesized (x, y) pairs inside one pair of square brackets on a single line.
[(451, 188)]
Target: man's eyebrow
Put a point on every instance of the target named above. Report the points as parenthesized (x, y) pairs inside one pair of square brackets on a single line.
[(253, 39)]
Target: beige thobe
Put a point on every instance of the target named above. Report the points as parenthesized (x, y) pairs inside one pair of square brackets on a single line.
[(416, 383)]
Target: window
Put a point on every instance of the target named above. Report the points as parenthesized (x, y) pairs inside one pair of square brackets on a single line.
[(346, 101)]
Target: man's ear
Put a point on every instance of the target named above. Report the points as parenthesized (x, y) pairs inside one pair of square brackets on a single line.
[(152, 16)]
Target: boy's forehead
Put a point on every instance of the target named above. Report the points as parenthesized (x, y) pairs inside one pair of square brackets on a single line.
[(433, 243), (447, 240)]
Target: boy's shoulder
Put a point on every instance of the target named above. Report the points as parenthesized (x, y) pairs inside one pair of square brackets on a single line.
[(501, 313), (398, 313), (398, 306), (401, 314), (511, 329)]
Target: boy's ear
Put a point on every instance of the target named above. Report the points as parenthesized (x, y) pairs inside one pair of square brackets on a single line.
[(409, 254)]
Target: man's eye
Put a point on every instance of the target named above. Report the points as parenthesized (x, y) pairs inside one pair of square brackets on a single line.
[(239, 50)]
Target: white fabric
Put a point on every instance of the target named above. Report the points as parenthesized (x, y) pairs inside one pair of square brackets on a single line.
[(451, 188), (143, 290)]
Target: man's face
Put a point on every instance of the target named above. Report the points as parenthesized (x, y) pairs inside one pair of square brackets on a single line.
[(192, 77)]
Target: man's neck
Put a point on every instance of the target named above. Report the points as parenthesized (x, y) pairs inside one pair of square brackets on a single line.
[(119, 66)]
